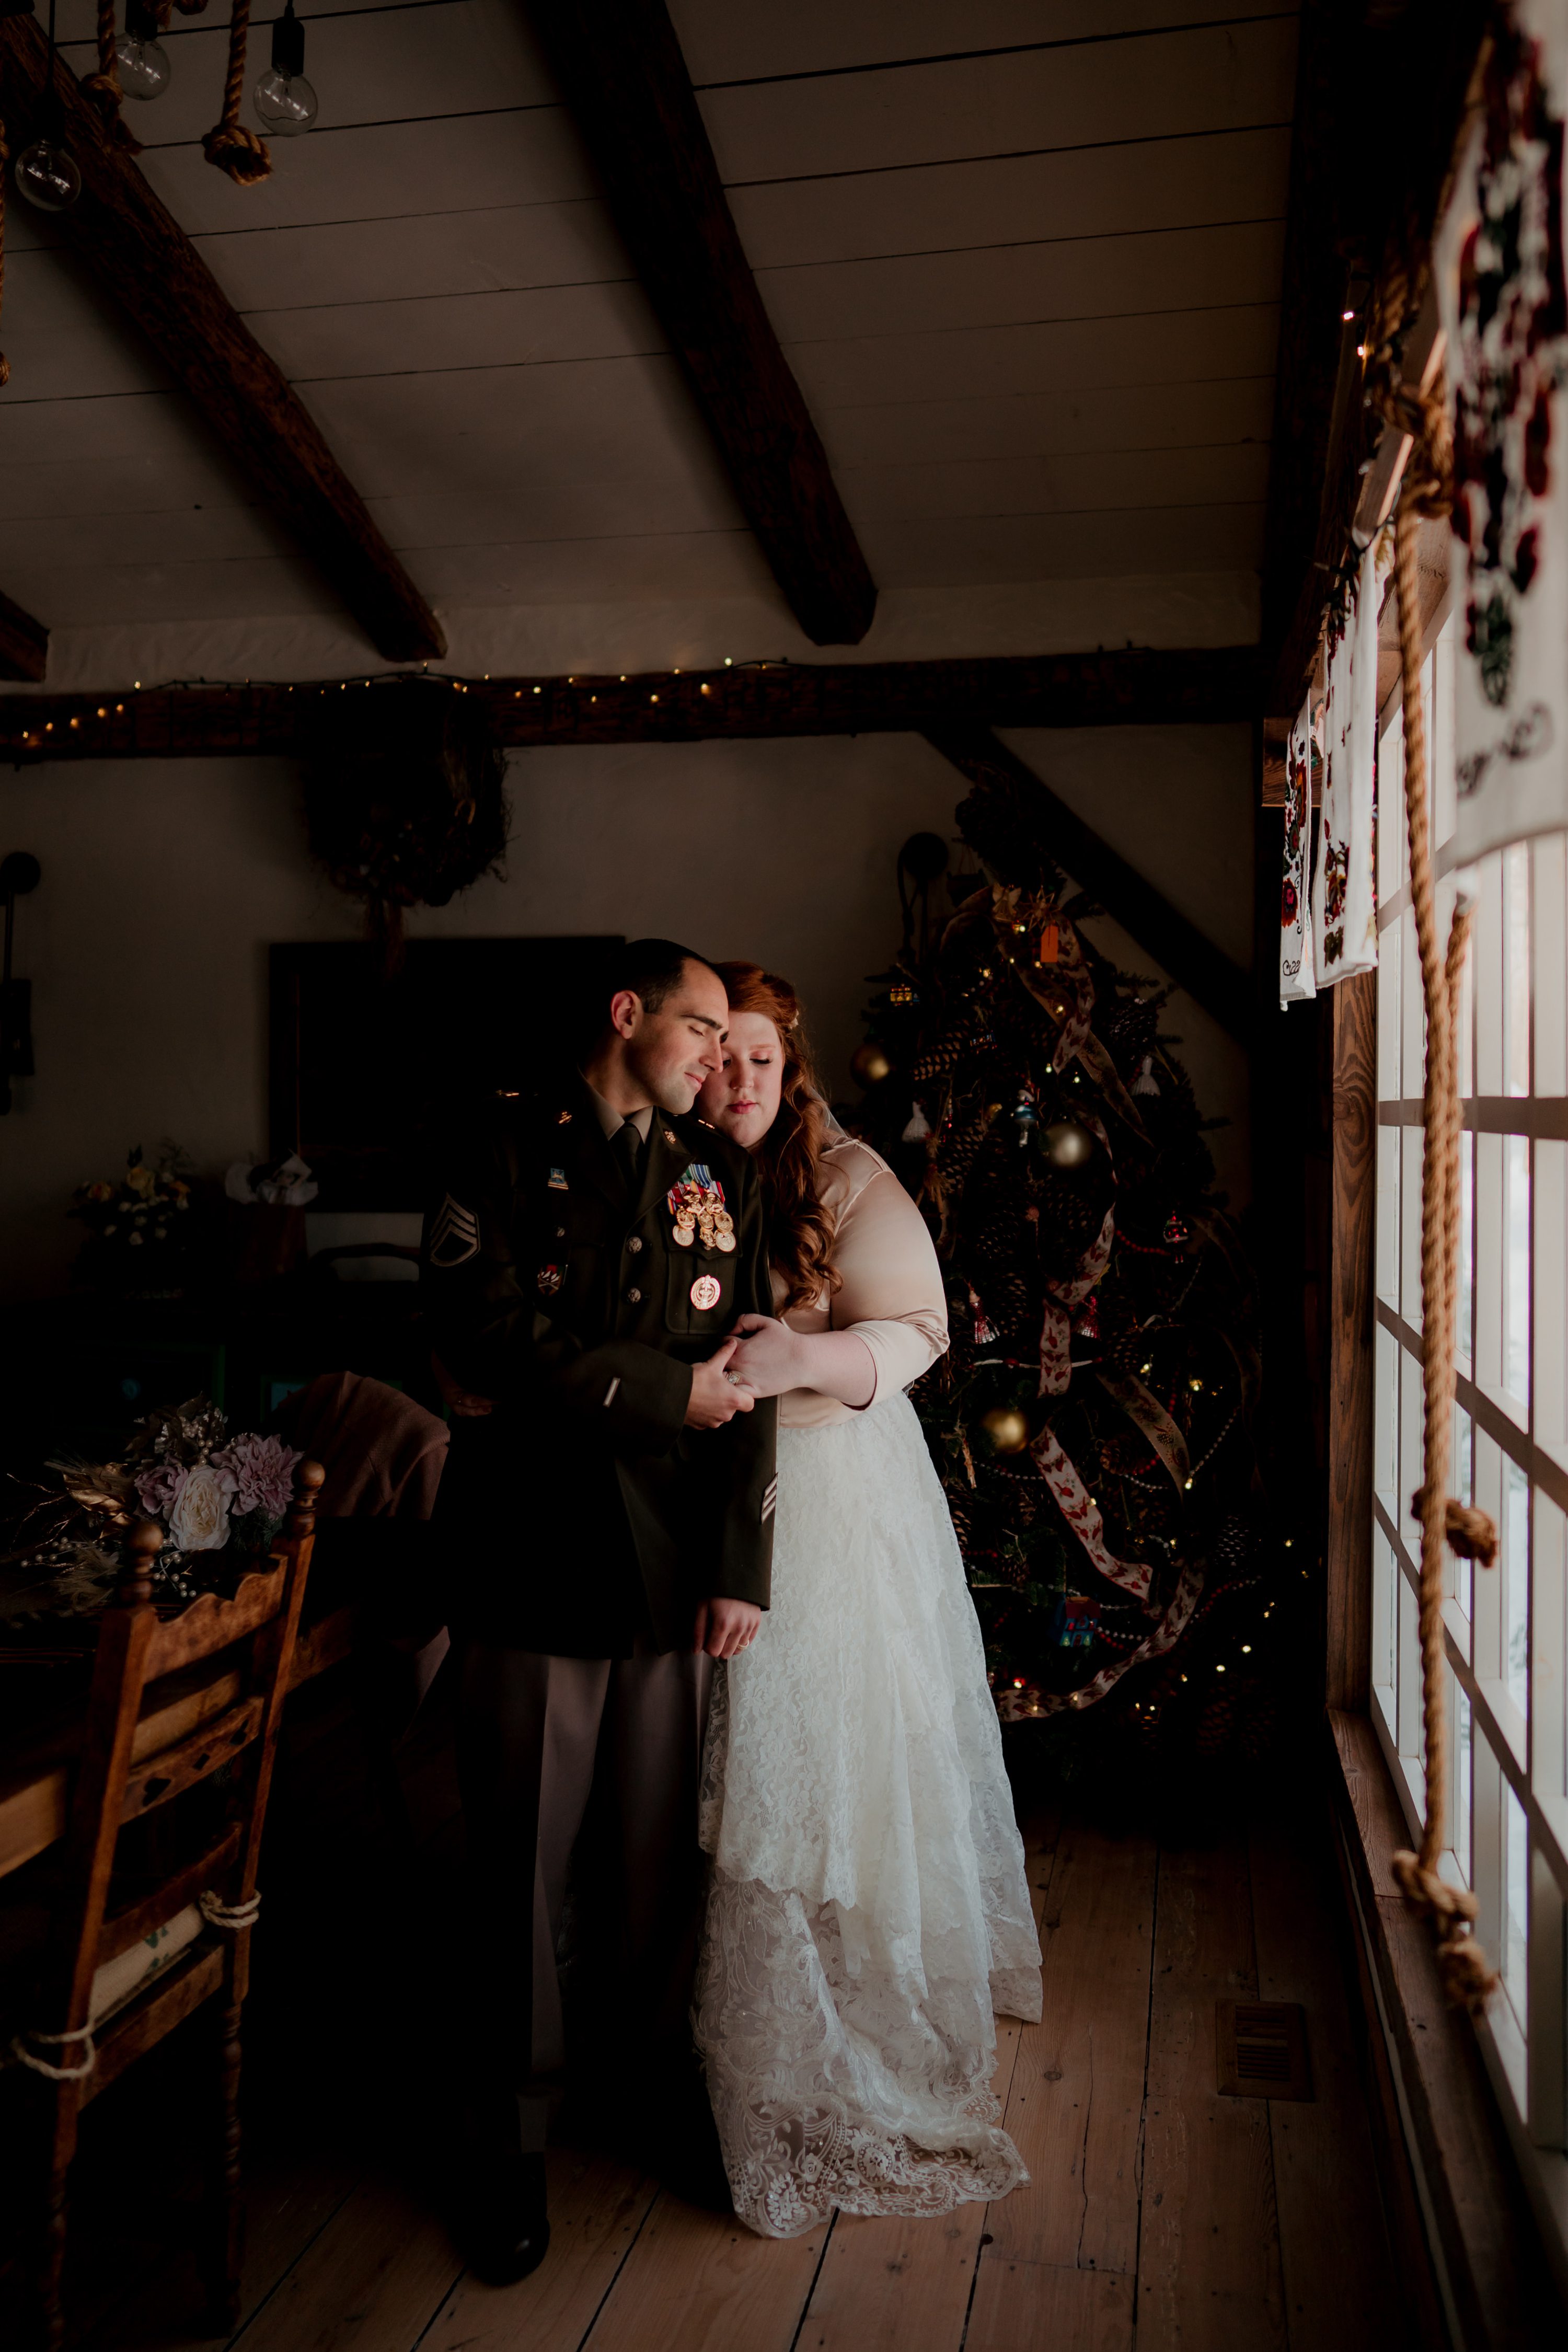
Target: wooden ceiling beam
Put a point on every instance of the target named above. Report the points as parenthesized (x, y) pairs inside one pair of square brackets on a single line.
[(24, 643), (1182, 950), (143, 258), (1207, 687), (621, 70)]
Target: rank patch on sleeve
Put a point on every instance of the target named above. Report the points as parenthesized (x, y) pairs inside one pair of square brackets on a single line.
[(454, 1236)]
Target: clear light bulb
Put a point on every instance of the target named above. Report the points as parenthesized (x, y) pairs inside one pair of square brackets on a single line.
[(143, 63), (47, 176), (285, 102)]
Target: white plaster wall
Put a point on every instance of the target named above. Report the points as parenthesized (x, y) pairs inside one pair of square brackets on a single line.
[(165, 882)]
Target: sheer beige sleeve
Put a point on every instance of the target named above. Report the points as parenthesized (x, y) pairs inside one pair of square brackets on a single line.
[(892, 1295)]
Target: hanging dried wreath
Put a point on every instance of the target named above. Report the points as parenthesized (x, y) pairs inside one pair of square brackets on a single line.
[(404, 801)]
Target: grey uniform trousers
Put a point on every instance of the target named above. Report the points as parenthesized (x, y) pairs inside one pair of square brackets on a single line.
[(582, 1771)]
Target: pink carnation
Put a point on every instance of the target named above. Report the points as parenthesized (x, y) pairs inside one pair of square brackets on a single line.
[(262, 1469), (160, 1485)]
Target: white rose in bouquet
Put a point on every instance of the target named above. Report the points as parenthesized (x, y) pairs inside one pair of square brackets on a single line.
[(198, 1516)]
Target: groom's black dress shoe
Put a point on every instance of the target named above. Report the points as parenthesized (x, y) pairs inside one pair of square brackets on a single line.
[(504, 2229)]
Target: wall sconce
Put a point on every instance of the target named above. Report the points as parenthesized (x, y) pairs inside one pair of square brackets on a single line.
[(19, 874)]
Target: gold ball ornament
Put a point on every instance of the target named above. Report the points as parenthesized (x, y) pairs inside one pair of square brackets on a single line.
[(1068, 1145), (870, 1065), (1008, 1429)]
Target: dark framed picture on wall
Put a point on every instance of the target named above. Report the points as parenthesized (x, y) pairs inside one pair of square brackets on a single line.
[(368, 1071)]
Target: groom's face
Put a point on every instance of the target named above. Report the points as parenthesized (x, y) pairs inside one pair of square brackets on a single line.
[(671, 1051)]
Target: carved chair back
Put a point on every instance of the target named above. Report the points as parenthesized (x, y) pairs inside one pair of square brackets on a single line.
[(173, 1702)]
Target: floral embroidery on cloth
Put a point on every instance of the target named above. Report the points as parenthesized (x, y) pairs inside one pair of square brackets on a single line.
[(1344, 898), (1297, 977), (1498, 263)]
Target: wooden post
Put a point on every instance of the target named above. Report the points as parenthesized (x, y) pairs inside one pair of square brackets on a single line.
[(1351, 1343)]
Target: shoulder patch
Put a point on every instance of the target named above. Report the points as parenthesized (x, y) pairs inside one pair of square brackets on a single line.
[(454, 1235)]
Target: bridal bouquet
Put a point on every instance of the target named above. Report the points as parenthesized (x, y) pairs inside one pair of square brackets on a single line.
[(219, 1499)]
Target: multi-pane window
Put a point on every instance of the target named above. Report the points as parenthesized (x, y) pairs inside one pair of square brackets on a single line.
[(1507, 1636)]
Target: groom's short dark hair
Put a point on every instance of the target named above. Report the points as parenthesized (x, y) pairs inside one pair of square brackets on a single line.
[(651, 968)]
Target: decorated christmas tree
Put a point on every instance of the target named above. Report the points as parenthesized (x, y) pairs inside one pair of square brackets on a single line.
[(1093, 1421)]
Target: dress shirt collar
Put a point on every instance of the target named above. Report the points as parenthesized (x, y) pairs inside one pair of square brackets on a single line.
[(611, 1121)]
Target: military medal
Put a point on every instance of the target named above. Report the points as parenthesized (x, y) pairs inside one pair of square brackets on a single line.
[(696, 1205), (724, 1240), (551, 1278), (705, 1291)]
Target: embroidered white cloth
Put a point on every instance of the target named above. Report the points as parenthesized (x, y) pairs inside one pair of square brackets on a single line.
[(1499, 271), (1344, 898), (1296, 971), (868, 1910)]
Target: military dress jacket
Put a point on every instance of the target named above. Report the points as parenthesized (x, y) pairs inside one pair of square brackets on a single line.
[(582, 1513)]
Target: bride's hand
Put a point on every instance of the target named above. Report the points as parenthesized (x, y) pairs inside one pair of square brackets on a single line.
[(767, 1360)]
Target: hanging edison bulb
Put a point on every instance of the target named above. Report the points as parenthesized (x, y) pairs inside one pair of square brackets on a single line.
[(141, 57), (285, 102), (47, 176)]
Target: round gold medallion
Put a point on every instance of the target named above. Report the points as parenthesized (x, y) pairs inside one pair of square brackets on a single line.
[(724, 1240)]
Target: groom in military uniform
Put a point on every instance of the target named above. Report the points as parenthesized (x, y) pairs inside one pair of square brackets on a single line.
[(607, 1509)]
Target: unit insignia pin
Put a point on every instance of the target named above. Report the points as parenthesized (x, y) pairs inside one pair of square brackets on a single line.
[(558, 1181), (669, 1138), (564, 1118), (705, 1291), (551, 1278)]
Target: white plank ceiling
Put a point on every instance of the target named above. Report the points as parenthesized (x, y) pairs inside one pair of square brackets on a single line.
[(1024, 257)]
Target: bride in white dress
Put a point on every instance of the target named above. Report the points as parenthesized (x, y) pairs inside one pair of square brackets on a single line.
[(869, 1911)]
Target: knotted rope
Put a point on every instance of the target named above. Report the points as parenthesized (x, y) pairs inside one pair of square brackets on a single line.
[(1467, 1977), (229, 144), (102, 90)]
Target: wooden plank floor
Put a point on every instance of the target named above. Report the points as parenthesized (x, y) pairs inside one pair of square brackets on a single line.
[(1159, 2214)]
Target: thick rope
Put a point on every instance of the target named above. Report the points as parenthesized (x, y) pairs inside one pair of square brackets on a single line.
[(229, 144), (1467, 1977), (104, 86)]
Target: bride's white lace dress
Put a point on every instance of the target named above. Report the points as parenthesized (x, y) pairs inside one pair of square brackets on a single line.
[(869, 1910)]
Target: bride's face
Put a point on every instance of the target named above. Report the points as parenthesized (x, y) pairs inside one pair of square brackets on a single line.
[(741, 1100)]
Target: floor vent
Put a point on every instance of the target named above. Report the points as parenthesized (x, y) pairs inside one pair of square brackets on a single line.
[(1262, 2050)]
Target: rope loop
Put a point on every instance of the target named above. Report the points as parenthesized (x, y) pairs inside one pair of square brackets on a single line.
[(233, 1917), (30, 2059)]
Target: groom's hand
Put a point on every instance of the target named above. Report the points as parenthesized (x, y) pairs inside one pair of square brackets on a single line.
[(712, 1402), (724, 1627)]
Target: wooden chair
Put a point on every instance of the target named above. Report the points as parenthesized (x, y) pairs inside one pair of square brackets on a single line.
[(173, 1700)]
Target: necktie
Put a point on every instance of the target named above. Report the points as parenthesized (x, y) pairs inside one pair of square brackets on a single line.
[(629, 1146)]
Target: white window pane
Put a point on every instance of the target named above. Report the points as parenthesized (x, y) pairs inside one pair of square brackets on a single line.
[(1515, 967), (1462, 1483), (1388, 975), (1464, 1779), (1384, 1610), (1550, 1314), (1513, 1561), (1385, 1422), (1516, 1906), (1548, 894), (1465, 1284), (1389, 1147), (1410, 1225), (1515, 1306)]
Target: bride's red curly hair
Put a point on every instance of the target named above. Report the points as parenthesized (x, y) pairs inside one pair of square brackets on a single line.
[(789, 1156)]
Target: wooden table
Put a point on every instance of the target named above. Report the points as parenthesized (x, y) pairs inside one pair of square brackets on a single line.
[(35, 1787)]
